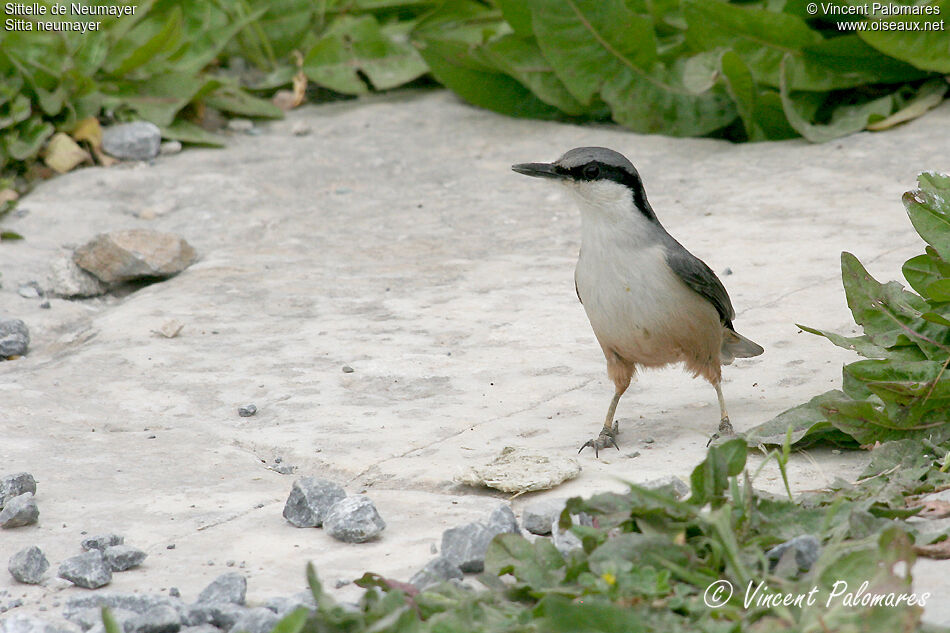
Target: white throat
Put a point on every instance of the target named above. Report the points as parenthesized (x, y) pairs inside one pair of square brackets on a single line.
[(609, 218)]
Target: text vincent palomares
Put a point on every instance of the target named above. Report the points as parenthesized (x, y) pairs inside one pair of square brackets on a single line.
[(831, 8)]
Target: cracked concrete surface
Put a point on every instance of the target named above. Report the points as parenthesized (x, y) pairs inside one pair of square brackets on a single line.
[(395, 239)]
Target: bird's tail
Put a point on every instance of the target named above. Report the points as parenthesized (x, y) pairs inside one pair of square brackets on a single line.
[(734, 345)]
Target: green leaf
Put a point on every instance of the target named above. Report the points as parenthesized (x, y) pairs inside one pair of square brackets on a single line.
[(846, 119), (760, 110), (108, 622), (923, 270), (710, 479), (902, 382), (14, 111), (538, 565), (928, 96), (929, 209), (601, 47), (356, 44), (925, 49), (847, 62), (762, 38), (557, 614), (456, 67), (293, 622), (164, 40), (522, 59), (160, 98), (807, 421), (25, 141), (517, 13), (188, 132), (236, 101), (10, 236)]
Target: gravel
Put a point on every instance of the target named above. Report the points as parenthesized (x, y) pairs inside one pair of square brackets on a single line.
[(465, 546), (138, 140), (256, 620), (19, 511), (14, 337), (102, 541), (123, 557), (807, 548), (87, 570), (354, 520), (26, 624), (28, 565), (538, 515), (227, 588), (310, 501), (15, 485), (437, 570)]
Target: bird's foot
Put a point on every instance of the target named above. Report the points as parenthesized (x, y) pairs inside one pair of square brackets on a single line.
[(607, 437), (725, 429)]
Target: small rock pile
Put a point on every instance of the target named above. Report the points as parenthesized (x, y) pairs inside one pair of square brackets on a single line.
[(17, 504), (315, 502), (101, 556)]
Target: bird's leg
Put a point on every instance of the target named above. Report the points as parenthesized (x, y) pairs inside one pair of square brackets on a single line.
[(608, 434), (725, 426)]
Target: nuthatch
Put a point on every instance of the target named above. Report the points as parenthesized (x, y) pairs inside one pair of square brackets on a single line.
[(649, 300)]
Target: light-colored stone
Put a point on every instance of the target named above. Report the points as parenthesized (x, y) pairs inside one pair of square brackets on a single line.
[(139, 140), (134, 253), (522, 470), (66, 279)]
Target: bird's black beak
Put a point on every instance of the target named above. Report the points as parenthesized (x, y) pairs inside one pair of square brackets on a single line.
[(538, 170)]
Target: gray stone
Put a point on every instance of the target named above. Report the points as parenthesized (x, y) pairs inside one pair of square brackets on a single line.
[(90, 617), (87, 570), (671, 483), (807, 549), (21, 623), (134, 602), (240, 125), (437, 570), (256, 620), (282, 605), (123, 557), (502, 520), (224, 615), (30, 291), (28, 565), (102, 541), (139, 140), (66, 279), (310, 500), (354, 520), (19, 511), (169, 147), (247, 410), (201, 628), (465, 546), (14, 337), (15, 485), (538, 515), (133, 254), (158, 619), (230, 587), (520, 470)]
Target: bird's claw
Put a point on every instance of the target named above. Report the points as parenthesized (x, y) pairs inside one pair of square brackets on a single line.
[(725, 428), (607, 437)]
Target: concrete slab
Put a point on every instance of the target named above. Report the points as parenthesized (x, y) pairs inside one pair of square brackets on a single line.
[(394, 239)]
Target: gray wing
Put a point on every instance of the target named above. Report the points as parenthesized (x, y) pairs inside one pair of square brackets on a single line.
[(698, 276)]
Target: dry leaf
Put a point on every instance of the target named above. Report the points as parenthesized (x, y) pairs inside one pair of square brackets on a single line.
[(939, 550), (935, 509), (62, 153), (8, 195), (90, 131)]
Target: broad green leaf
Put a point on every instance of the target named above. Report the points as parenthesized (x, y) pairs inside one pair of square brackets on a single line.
[(537, 564), (760, 110), (293, 622), (638, 549), (236, 101), (558, 614), (601, 47), (161, 40), (760, 37), (517, 13), (188, 132), (929, 96), (14, 111), (923, 270), (902, 381), (356, 44), (924, 49), (868, 422), (865, 347), (522, 59), (710, 479), (929, 209), (25, 141), (851, 62), (846, 119), (160, 98), (808, 424), (454, 65)]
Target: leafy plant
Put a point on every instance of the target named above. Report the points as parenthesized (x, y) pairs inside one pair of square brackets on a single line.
[(902, 390)]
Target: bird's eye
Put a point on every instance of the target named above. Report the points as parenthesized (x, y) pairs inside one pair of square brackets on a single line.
[(591, 172)]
